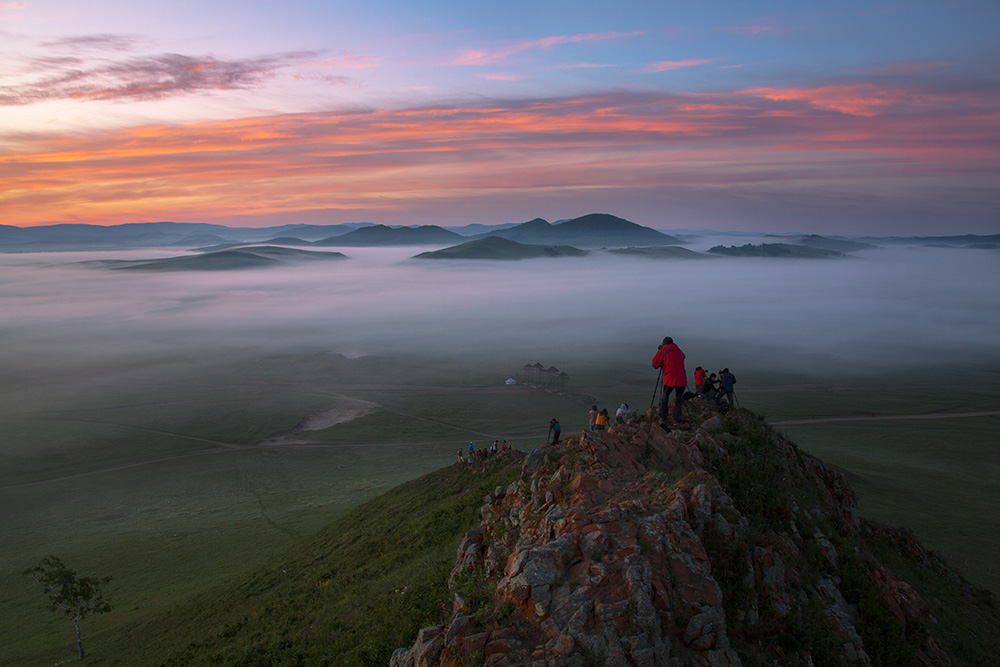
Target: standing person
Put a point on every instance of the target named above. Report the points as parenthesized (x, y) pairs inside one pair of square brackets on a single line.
[(726, 381), (670, 358), (624, 415), (593, 416), (556, 430)]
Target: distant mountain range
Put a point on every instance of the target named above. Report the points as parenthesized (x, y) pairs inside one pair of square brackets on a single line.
[(596, 230), (496, 248)]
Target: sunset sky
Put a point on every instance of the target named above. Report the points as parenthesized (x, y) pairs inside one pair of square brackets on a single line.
[(827, 117)]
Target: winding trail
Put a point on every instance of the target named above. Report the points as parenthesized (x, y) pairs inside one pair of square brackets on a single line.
[(935, 415)]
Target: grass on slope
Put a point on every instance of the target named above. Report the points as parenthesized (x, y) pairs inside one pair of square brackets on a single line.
[(348, 596)]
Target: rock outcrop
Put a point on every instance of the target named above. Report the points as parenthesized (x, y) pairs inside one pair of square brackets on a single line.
[(718, 545)]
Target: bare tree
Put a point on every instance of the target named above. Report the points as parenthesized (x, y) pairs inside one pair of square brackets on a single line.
[(76, 597)]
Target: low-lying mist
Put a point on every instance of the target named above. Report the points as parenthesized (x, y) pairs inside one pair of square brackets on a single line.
[(879, 309)]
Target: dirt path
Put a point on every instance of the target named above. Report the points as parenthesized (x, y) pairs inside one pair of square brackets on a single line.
[(936, 415)]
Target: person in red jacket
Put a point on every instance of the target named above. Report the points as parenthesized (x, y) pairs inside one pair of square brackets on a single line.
[(699, 378), (670, 359)]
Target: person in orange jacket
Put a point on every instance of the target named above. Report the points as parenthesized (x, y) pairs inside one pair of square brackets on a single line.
[(670, 359)]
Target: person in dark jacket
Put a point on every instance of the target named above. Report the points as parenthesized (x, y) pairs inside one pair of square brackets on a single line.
[(670, 359), (726, 382)]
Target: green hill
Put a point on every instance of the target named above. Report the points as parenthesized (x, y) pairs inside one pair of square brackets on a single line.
[(595, 230), (349, 595), (233, 259), (494, 247), (382, 235), (840, 245), (775, 250), (725, 521), (660, 252)]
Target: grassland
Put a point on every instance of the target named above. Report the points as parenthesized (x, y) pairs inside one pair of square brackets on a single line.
[(163, 481)]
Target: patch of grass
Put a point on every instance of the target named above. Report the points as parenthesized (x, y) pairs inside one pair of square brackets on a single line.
[(750, 472), (348, 596)]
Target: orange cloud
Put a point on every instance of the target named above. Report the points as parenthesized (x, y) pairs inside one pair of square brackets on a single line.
[(862, 99), (386, 160)]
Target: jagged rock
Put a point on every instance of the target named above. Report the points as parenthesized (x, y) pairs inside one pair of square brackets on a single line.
[(636, 546)]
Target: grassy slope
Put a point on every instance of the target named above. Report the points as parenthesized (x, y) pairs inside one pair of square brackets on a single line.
[(365, 584), (349, 595)]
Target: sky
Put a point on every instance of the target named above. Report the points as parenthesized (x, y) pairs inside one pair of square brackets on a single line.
[(824, 117)]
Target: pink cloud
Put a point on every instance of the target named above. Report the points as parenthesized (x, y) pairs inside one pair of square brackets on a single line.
[(502, 77), (753, 29), (490, 57), (669, 65)]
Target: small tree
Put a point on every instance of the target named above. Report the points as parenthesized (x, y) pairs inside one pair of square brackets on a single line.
[(74, 596)]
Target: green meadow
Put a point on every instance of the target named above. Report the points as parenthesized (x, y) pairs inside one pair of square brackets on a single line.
[(176, 476)]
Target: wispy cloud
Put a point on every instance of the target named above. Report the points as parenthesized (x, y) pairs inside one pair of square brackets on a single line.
[(586, 66), (140, 78), (857, 99), (493, 56), (502, 77), (669, 65), (102, 42), (754, 29)]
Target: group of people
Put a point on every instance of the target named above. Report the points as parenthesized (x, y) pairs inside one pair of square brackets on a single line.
[(477, 455), (713, 386), (599, 418), (670, 360)]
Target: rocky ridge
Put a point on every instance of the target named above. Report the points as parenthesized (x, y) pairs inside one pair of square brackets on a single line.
[(720, 545)]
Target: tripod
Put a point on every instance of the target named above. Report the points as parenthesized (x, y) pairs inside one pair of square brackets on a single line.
[(656, 388)]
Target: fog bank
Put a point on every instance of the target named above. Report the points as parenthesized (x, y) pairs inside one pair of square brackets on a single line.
[(910, 305)]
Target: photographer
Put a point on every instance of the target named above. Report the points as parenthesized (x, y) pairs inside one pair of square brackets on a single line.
[(670, 360)]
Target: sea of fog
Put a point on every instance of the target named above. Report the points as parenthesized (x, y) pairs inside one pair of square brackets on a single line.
[(877, 309)]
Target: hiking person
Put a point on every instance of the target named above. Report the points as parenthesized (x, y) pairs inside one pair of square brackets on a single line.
[(461, 459), (670, 360), (593, 416), (623, 415), (556, 430), (601, 421), (726, 381)]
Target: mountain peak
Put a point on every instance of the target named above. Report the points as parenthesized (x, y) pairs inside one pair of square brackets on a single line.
[(720, 545)]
